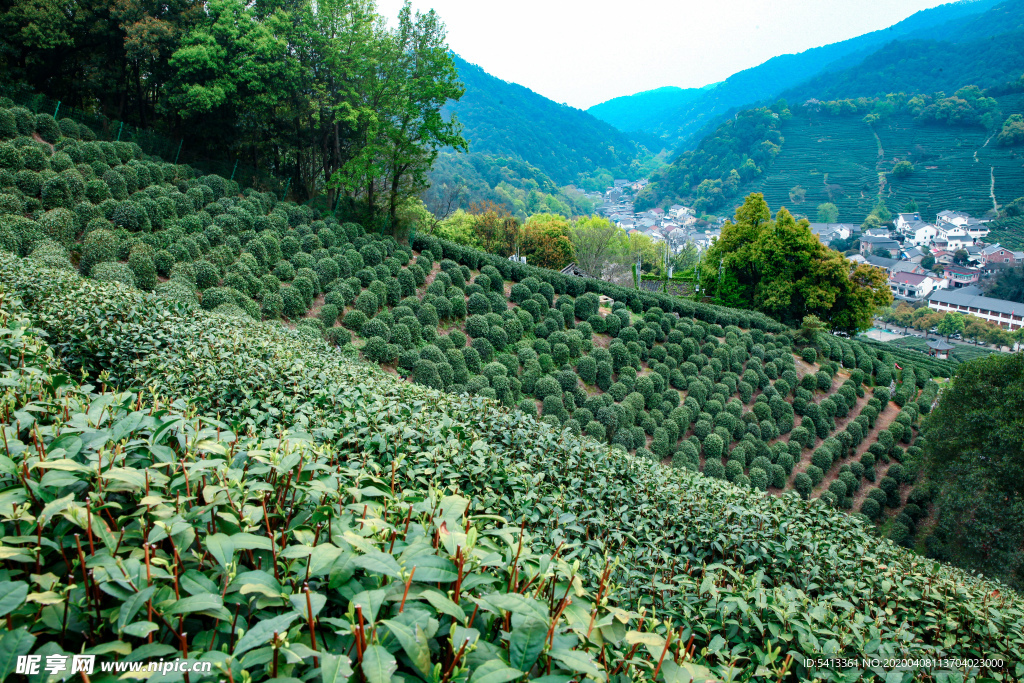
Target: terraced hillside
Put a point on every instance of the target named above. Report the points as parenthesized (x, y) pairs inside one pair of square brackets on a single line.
[(695, 386), (844, 160), (323, 547), (560, 411)]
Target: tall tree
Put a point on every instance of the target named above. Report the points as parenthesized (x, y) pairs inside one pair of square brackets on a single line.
[(779, 267), (974, 451), (596, 240), (950, 324), (545, 241), (828, 213)]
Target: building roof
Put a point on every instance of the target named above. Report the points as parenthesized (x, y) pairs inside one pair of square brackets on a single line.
[(957, 297), (910, 217), (960, 270), (939, 345), (907, 278), (881, 261), (907, 267), (573, 269)]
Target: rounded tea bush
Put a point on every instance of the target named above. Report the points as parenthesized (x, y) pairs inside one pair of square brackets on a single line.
[(112, 271)]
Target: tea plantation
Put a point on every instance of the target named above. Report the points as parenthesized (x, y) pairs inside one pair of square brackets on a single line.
[(178, 473), (839, 158)]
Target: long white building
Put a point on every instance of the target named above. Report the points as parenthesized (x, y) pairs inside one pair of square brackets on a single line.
[(968, 300)]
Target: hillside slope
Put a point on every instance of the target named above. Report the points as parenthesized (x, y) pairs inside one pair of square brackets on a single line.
[(507, 119), (645, 110), (710, 543), (768, 80), (986, 50), (839, 159)]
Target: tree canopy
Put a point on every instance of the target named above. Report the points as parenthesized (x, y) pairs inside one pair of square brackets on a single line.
[(322, 93), (778, 266), (975, 450)]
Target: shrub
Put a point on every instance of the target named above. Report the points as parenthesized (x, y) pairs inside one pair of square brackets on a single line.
[(803, 484), (759, 478), (47, 128), (595, 430), (59, 226), (294, 303), (377, 350), (141, 264), (328, 314), (478, 304), (207, 274), (586, 368), (714, 469), (810, 355), (354, 320), (8, 125), (425, 373), (111, 271), (368, 303), (529, 407), (713, 445), (871, 508), (55, 193)]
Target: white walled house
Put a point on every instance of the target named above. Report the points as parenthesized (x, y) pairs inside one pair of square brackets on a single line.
[(914, 286), (922, 234)]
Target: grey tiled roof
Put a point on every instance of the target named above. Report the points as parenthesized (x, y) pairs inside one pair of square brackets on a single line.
[(983, 303)]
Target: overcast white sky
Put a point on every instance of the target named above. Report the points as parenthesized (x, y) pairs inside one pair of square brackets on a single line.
[(585, 52)]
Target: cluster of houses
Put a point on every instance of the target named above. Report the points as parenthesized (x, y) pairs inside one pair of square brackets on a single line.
[(902, 253), (956, 242), (677, 226)]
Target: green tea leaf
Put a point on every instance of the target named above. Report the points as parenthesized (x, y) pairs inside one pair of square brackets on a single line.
[(14, 644), (12, 596), (263, 631), (378, 664), (526, 643)]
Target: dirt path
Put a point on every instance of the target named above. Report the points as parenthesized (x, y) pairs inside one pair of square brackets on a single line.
[(992, 188), (833, 473), (881, 469)]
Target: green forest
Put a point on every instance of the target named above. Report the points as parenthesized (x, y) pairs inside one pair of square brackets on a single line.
[(952, 151), (323, 95)]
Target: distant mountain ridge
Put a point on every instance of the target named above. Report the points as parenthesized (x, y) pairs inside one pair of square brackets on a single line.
[(509, 120), (677, 127), (645, 110)]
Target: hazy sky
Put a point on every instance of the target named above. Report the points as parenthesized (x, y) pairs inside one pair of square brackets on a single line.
[(586, 52)]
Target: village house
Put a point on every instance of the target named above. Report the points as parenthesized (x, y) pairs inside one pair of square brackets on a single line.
[(914, 286), (959, 276), (976, 228), (869, 243), (995, 253), (905, 220), (954, 236), (914, 255)]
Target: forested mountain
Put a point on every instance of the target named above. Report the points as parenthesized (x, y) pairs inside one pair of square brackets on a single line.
[(845, 152), (645, 110), (986, 50), (768, 80), (507, 119), (935, 104), (524, 150)]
